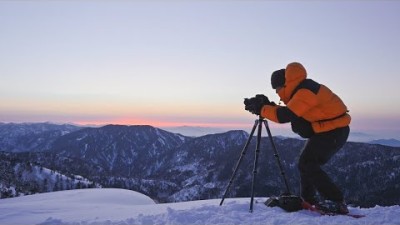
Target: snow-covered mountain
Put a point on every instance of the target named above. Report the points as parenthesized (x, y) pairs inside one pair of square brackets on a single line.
[(169, 167), (25, 137), (23, 178), (118, 206), (154, 161), (120, 149)]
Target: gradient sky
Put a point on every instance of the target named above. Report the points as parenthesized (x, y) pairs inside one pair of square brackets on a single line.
[(167, 63)]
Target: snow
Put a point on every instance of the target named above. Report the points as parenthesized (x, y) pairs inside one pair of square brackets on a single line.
[(119, 206)]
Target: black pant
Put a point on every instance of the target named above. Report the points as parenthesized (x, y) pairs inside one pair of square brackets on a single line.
[(316, 152)]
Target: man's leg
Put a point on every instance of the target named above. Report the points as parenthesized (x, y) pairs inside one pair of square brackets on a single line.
[(317, 151)]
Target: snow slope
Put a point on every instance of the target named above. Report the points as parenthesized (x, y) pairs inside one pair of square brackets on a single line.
[(118, 206)]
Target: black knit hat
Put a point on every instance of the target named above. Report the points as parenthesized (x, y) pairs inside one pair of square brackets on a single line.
[(278, 78)]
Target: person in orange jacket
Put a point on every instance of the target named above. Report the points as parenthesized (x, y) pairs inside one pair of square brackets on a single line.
[(315, 113)]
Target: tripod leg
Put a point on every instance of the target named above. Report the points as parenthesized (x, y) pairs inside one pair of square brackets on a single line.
[(256, 162), (277, 157), (239, 162)]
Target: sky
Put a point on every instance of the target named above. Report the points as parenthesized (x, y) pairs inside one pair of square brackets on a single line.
[(176, 62), (118, 206)]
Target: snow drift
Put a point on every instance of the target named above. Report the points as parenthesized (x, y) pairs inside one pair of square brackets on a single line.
[(119, 206)]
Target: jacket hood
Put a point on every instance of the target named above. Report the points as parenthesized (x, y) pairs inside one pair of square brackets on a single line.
[(295, 73)]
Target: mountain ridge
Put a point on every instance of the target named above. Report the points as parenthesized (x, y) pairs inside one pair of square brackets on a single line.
[(170, 167)]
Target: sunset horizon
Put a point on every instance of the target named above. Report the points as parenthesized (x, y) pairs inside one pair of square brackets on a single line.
[(176, 63)]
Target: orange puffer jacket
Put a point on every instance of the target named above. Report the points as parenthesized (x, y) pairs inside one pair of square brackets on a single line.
[(309, 100)]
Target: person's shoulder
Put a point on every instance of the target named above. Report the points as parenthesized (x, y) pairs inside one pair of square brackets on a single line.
[(309, 84)]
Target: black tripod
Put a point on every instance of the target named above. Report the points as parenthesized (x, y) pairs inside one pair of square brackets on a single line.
[(257, 123)]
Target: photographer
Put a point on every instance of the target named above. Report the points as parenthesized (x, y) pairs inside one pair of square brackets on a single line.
[(315, 113)]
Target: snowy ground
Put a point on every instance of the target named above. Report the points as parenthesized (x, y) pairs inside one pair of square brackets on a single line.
[(118, 206)]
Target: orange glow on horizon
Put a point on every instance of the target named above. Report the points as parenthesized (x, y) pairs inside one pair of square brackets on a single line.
[(157, 123)]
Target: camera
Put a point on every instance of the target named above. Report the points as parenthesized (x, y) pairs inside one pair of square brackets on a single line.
[(247, 101)]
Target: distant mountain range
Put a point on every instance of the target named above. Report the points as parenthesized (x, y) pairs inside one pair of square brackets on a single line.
[(355, 136), (193, 131), (171, 167), (389, 142)]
